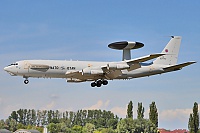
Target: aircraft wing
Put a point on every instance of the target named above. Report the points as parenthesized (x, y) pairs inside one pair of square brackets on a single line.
[(179, 66), (144, 58), (113, 69)]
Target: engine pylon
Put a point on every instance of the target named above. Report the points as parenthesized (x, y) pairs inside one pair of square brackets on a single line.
[(126, 47)]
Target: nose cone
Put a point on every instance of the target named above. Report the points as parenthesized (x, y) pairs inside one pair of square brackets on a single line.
[(6, 69)]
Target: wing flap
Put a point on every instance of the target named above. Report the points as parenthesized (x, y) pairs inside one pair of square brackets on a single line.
[(113, 74), (179, 66)]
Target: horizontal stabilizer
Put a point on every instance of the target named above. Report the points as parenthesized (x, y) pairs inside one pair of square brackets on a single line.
[(179, 66), (144, 58)]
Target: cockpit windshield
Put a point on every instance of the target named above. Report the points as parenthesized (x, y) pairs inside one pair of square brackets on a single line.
[(13, 64)]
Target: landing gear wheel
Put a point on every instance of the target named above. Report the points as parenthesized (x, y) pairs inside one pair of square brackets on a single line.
[(26, 81), (104, 82), (93, 84), (99, 83)]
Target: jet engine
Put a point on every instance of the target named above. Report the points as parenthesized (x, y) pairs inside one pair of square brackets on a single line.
[(113, 66), (92, 72)]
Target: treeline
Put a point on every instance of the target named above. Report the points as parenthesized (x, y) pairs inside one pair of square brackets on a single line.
[(91, 121), (81, 117), (56, 120)]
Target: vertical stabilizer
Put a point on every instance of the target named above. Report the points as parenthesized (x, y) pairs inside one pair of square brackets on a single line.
[(171, 50)]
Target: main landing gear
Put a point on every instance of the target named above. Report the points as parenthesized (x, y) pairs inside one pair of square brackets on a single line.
[(26, 81), (98, 83)]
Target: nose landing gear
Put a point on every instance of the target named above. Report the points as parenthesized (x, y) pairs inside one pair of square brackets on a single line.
[(98, 83), (26, 81)]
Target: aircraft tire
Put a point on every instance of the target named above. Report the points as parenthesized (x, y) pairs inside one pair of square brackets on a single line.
[(93, 84), (26, 81), (105, 82), (98, 85), (99, 82)]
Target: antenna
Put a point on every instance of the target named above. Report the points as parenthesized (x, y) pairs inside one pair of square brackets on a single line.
[(126, 47)]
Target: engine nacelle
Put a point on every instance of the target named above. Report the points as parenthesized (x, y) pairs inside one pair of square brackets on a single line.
[(92, 72), (113, 66), (86, 71), (99, 72)]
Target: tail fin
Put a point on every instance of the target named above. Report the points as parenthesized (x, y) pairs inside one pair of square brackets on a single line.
[(171, 50)]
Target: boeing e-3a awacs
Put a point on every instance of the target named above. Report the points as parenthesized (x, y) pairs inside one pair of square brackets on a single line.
[(100, 72)]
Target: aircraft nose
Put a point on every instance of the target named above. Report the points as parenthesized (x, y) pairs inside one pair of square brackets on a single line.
[(6, 69), (9, 70)]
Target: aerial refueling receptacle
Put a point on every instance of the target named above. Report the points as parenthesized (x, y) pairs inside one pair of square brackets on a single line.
[(126, 47)]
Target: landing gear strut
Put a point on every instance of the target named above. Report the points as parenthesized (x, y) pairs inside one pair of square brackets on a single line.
[(98, 83), (26, 81)]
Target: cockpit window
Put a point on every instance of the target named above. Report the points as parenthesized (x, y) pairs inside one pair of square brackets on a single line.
[(13, 64)]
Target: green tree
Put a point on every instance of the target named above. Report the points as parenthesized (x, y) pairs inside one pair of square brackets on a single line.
[(140, 111), (20, 115), (129, 125), (112, 123), (193, 123), (14, 116), (89, 128), (39, 117), (130, 110), (53, 128), (107, 130), (2, 124), (77, 129), (33, 117), (125, 126), (12, 125), (28, 118), (21, 126), (63, 127), (153, 114)]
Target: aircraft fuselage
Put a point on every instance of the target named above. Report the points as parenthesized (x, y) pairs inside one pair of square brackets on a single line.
[(58, 69)]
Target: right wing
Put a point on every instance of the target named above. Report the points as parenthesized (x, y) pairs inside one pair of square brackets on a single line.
[(110, 70)]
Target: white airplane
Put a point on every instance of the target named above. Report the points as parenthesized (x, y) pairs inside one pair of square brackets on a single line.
[(100, 72)]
